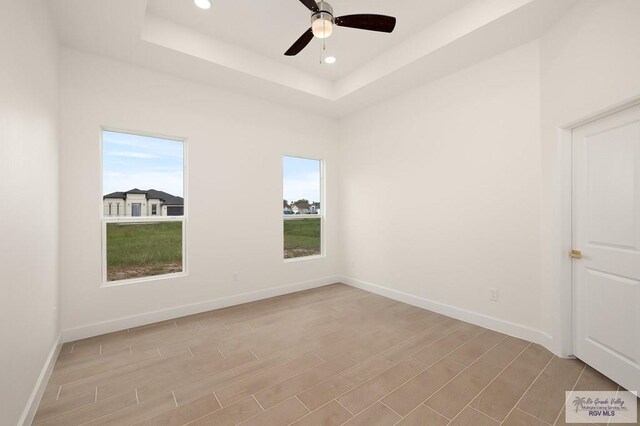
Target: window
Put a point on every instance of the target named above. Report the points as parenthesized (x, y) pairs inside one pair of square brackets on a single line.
[(139, 171), (303, 212)]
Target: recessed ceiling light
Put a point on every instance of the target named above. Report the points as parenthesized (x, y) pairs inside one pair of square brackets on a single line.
[(330, 59), (203, 4)]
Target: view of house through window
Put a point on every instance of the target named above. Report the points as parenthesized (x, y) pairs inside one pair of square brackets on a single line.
[(302, 208), (143, 206)]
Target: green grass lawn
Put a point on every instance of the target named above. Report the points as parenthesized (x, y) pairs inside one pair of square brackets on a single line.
[(302, 238), (145, 249)]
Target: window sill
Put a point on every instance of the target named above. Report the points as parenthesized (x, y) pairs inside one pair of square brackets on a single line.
[(300, 259), (143, 280)]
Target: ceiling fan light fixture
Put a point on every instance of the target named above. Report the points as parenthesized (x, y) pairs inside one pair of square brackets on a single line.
[(203, 4), (322, 25), (330, 59), (323, 21)]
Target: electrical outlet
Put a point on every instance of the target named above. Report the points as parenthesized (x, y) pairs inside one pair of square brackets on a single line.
[(235, 276), (494, 294)]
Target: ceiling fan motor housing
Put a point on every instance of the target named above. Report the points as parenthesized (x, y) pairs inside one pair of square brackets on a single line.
[(323, 6), (325, 12)]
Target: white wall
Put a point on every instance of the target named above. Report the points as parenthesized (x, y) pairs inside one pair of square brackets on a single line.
[(590, 63), (29, 207), (234, 193), (462, 179), (441, 191)]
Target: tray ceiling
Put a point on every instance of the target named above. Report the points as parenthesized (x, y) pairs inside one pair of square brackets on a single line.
[(239, 44)]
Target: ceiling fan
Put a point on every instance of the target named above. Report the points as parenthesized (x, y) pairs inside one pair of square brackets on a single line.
[(322, 22)]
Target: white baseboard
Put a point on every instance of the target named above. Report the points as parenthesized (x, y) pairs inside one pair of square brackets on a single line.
[(507, 327), (41, 384), (124, 323)]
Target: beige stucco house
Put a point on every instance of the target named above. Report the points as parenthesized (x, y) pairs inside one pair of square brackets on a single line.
[(139, 203)]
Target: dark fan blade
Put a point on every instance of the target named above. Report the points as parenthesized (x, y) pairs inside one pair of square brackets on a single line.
[(311, 5), (300, 44), (381, 23)]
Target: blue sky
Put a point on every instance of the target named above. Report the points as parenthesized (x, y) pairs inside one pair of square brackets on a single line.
[(301, 179), (132, 161)]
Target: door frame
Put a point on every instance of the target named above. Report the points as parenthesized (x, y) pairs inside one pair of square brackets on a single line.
[(562, 302)]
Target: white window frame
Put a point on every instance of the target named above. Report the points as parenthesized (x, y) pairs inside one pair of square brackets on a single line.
[(322, 215), (141, 219)]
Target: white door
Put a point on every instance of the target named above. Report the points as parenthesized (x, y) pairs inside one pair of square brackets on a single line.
[(606, 229)]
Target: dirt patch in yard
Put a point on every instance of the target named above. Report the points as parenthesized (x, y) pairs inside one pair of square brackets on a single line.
[(130, 272), (291, 253)]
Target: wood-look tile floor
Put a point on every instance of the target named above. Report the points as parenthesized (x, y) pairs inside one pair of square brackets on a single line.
[(328, 356)]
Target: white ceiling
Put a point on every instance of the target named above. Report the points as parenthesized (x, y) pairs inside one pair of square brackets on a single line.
[(270, 27), (238, 44)]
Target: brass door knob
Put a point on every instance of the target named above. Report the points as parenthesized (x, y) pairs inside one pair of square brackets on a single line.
[(576, 254)]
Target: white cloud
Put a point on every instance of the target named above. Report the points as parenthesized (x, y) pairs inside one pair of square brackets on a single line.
[(132, 154)]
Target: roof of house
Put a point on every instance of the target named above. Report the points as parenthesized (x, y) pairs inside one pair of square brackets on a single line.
[(121, 195), (302, 205), (168, 199)]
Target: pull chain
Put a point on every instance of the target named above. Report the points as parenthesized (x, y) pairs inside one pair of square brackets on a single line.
[(324, 33)]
